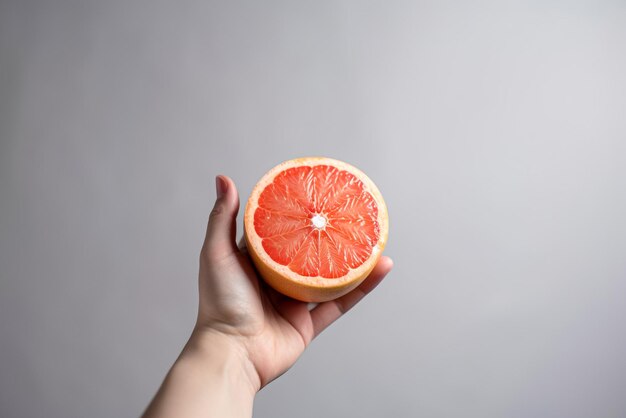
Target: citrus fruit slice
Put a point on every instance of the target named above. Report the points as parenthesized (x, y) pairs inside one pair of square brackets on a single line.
[(315, 227)]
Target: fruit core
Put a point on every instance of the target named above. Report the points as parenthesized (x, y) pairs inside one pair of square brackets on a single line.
[(318, 221)]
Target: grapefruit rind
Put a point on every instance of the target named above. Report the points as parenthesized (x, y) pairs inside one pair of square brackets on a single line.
[(311, 288)]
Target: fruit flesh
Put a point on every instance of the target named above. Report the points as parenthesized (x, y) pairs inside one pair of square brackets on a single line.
[(317, 220)]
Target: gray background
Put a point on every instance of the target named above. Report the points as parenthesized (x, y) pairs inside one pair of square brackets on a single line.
[(496, 132)]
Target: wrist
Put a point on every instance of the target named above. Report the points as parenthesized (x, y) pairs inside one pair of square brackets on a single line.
[(211, 377), (223, 356)]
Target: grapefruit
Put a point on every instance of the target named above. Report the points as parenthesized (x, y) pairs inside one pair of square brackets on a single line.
[(315, 228)]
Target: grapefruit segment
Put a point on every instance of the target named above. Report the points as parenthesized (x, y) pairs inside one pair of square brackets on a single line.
[(269, 224), (283, 248), (306, 262), (360, 230), (345, 187), (324, 186), (355, 206), (351, 252), (315, 227), (332, 264), (274, 198)]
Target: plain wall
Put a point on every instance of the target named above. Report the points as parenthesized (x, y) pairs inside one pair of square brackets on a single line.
[(496, 132)]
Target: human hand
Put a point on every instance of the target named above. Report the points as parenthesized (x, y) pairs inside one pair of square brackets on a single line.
[(272, 329), (246, 333)]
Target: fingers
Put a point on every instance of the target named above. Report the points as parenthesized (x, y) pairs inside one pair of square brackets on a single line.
[(326, 313), (297, 314), (220, 235)]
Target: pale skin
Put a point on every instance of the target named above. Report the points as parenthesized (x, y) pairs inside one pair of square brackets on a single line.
[(246, 334)]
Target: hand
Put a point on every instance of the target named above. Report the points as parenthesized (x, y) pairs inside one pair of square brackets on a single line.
[(246, 333), (272, 329)]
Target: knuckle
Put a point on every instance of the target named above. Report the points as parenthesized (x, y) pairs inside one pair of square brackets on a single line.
[(213, 255), (217, 211)]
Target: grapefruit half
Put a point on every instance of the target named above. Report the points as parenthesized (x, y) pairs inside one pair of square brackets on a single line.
[(315, 228)]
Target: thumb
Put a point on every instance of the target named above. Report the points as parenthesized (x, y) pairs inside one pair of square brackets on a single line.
[(221, 230)]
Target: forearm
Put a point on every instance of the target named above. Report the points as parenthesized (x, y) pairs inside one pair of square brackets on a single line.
[(211, 378)]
